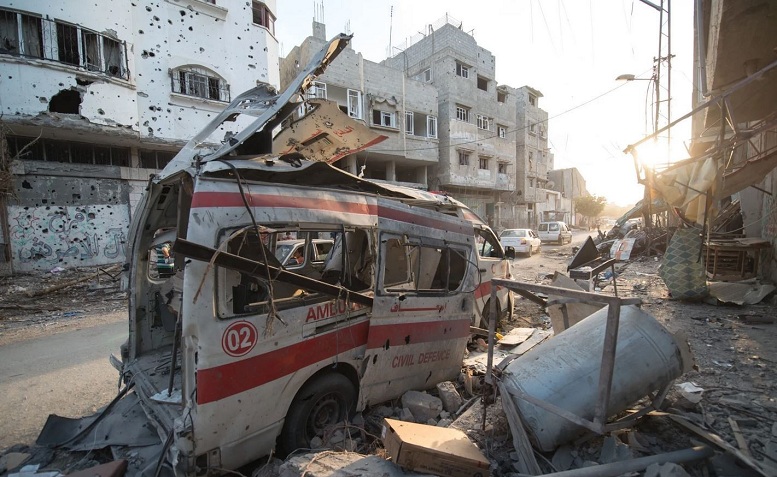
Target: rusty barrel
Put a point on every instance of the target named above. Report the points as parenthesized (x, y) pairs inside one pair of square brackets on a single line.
[(564, 371)]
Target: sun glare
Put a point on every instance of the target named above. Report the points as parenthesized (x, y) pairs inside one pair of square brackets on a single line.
[(656, 155)]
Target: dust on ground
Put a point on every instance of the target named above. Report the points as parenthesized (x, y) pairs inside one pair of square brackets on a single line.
[(88, 295), (735, 360)]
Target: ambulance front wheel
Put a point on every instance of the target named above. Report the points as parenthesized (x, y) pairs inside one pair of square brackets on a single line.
[(323, 401)]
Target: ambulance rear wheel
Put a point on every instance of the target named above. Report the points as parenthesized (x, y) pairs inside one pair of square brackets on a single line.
[(323, 401)]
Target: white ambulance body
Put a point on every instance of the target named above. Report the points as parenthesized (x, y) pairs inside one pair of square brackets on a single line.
[(237, 354)]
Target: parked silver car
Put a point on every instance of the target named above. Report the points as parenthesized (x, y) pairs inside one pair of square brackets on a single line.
[(556, 232)]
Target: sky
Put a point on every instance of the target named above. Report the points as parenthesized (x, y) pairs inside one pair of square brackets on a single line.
[(570, 50)]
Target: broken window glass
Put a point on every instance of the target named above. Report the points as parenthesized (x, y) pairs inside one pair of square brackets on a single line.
[(416, 267), (67, 44), (316, 254), (91, 50), (112, 53), (199, 82), (9, 33)]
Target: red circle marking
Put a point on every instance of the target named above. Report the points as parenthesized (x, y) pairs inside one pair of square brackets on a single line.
[(239, 338)]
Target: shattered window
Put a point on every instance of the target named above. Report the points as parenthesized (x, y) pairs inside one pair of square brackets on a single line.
[(31, 41), (416, 267), (315, 254), (384, 118), (409, 123), (355, 103), (431, 126), (262, 16), (32, 36), (462, 70), (67, 44), (199, 82)]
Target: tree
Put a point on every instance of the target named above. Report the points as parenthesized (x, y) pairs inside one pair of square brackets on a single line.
[(590, 206)]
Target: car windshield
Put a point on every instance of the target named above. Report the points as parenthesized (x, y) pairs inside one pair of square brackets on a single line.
[(514, 233), (283, 251)]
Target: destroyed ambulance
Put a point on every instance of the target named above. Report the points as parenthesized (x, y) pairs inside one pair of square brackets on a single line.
[(237, 354)]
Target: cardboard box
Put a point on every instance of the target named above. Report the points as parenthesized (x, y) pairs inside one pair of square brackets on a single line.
[(433, 450)]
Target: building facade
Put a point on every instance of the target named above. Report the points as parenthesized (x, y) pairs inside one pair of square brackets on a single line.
[(571, 185), (477, 118), (95, 100), (402, 108)]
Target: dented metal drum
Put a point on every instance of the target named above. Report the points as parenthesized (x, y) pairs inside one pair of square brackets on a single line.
[(564, 371)]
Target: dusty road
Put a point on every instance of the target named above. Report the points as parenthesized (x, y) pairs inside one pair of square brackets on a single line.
[(65, 373)]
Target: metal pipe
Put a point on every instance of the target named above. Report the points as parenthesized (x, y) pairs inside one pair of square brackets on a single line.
[(634, 465)]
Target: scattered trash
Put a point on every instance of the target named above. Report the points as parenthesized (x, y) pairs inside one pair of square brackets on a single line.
[(690, 391)]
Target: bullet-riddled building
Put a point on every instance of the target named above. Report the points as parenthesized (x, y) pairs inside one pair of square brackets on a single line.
[(96, 99)]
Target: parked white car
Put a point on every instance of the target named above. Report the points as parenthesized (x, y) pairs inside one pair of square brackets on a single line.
[(556, 232), (524, 241)]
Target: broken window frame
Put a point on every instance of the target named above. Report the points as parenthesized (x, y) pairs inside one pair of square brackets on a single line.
[(71, 152), (24, 30), (386, 119), (262, 16), (317, 89), (482, 83), (462, 113), (409, 123), (462, 70), (501, 167), (354, 103), (431, 127), (199, 82), (463, 158), (64, 42), (420, 266)]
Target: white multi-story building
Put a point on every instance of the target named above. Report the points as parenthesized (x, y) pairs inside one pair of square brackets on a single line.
[(96, 99)]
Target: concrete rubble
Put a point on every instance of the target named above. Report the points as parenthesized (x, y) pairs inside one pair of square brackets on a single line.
[(726, 402)]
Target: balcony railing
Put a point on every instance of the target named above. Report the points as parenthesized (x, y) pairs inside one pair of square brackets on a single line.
[(30, 36)]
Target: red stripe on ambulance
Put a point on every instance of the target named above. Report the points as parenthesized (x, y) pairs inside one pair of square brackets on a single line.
[(214, 384)]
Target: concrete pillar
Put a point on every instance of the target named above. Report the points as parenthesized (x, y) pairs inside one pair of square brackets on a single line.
[(391, 171), (350, 164), (421, 177)]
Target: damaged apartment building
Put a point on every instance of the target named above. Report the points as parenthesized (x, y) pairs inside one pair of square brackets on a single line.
[(451, 127), (95, 100)]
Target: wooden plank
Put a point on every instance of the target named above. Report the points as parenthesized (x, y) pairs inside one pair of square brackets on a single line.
[(713, 439), (516, 336), (538, 337), (527, 463), (741, 441)]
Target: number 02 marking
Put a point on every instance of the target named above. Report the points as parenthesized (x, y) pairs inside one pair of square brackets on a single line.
[(239, 338)]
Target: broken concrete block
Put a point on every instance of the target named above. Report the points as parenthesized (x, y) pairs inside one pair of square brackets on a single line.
[(316, 443), (431, 422), (327, 464), (337, 437), (444, 423), (563, 458), (668, 469), (423, 406), (613, 450), (445, 415), (382, 411), (358, 420), (451, 399), (774, 429), (406, 415)]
